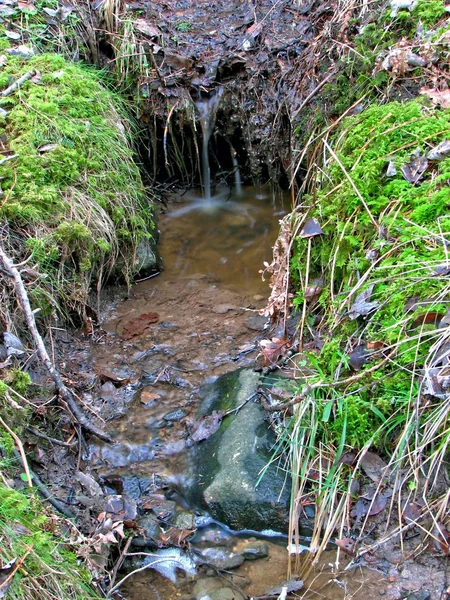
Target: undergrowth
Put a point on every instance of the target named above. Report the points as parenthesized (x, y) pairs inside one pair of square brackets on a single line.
[(44, 564), (378, 379), (73, 196)]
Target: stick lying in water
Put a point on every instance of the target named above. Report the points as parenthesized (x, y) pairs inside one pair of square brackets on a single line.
[(11, 270)]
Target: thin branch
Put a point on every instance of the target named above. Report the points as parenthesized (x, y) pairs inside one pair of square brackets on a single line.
[(21, 452), (14, 86), (2, 162), (63, 391), (39, 434)]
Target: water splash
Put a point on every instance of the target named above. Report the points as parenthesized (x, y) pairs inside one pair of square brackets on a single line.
[(207, 112), (169, 560)]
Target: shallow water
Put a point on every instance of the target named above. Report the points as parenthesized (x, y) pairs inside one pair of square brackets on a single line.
[(227, 237)]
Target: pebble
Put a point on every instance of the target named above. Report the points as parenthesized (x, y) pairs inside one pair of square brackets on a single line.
[(255, 550), (175, 415), (222, 558)]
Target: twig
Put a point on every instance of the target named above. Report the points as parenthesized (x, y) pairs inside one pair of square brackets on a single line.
[(119, 562), (14, 86), (2, 162), (50, 439), (21, 451), (63, 391), (313, 93)]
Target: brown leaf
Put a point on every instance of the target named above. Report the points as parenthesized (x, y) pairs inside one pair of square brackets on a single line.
[(439, 97), (137, 326), (373, 466), (442, 535), (26, 5), (6, 577), (358, 357), (147, 396), (348, 458), (206, 426), (430, 318), (411, 512), (347, 545), (274, 349)]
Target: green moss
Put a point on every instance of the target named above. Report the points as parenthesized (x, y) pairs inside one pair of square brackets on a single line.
[(75, 188), (398, 260), (51, 568)]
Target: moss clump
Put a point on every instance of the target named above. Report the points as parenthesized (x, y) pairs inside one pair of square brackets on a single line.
[(395, 249), (50, 568), (74, 195)]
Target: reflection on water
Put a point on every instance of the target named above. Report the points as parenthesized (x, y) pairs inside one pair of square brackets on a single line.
[(226, 237)]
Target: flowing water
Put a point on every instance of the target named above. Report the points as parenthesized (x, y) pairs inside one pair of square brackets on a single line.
[(207, 111), (206, 304)]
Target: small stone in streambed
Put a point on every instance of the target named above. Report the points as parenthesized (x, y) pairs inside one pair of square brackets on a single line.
[(256, 322), (185, 520), (258, 297), (255, 550), (222, 558), (422, 594), (175, 415), (221, 309), (204, 587)]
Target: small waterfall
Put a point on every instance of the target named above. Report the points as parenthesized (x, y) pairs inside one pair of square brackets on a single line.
[(207, 111), (237, 173)]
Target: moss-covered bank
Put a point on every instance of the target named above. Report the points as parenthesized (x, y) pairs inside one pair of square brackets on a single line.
[(72, 196)]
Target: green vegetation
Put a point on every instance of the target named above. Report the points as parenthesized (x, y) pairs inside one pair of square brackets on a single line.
[(384, 211), (47, 567), (73, 196)]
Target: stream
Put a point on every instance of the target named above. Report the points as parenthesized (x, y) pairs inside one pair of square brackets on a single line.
[(192, 323)]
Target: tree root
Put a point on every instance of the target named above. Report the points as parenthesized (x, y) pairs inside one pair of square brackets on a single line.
[(11, 270)]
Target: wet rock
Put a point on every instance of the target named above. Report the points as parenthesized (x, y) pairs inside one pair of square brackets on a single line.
[(159, 505), (146, 257), (150, 532), (120, 508), (221, 309), (204, 587), (121, 455), (422, 594), (222, 558), (175, 415), (256, 322), (185, 520), (254, 550), (225, 469)]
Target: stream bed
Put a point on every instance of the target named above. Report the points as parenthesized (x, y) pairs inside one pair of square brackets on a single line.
[(196, 321)]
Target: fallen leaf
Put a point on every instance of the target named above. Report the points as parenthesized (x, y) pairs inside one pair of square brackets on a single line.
[(146, 28), (442, 538), (347, 545), (440, 152), (373, 466), (415, 168), (47, 148), (438, 97), (311, 228), (348, 458), (427, 319), (411, 512), (12, 35), (358, 357), (273, 349), (206, 426), (362, 305), (6, 577), (26, 5), (138, 325), (147, 396), (3, 60)]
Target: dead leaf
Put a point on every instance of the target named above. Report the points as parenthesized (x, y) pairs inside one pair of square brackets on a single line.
[(6, 577), (358, 357), (373, 466), (430, 318), (273, 349), (146, 28), (147, 396), (438, 97), (440, 152), (415, 168), (311, 228), (362, 305), (26, 5), (411, 512), (348, 458), (138, 325), (442, 535), (3, 60), (207, 426), (347, 545)]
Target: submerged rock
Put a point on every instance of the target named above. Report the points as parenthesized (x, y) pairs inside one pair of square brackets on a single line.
[(225, 471)]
